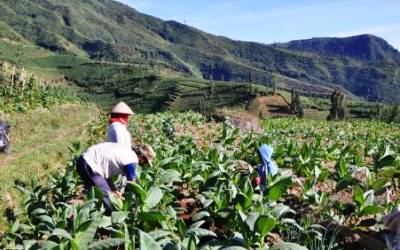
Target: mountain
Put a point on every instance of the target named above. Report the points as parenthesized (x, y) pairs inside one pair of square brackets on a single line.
[(366, 48), (109, 31)]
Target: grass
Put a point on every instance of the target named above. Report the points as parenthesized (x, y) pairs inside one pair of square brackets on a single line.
[(37, 60), (39, 144)]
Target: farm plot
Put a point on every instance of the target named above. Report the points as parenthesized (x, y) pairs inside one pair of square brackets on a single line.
[(200, 193)]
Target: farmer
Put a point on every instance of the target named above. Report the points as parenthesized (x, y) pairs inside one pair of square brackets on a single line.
[(267, 166), (117, 130), (99, 163), (392, 222)]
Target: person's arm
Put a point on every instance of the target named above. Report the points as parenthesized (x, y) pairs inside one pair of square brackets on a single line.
[(130, 171), (111, 134)]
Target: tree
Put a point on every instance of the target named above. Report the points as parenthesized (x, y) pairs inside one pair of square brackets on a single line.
[(338, 109), (274, 87), (394, 114), (296, 105), (292, 95)]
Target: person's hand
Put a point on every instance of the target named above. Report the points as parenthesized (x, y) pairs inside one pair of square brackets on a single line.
[(118, 194)]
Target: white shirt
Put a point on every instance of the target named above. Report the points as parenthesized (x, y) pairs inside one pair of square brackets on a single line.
[(108, 158), (118, 133)]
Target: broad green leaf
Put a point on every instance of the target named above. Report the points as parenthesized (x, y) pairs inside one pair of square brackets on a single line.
[(197, 224), (28, 244), (104, 222), (292, 222), (379, 185), (147, 242), (128, 244), (165, 162), (138, 191), (279, 188), (200, 232), (61, 233), (181, 227), (251, 220), (192, 243), (233, 248), (151, 216), (248, 189), (169, 176), (280, 209), (229, 141), (371, 210), (342, 167), (48, 245), (15, 226), (304, 154), (86, 236), (170, 213), (106, 244), (154, 197), (264, 225), (243, 201), (158, 234), (38, 211), (386, 161), (213, 155), (118, 217), (369, 198), (388, 171), (197, 178), (200, 215), (116, 202), (358, 196)]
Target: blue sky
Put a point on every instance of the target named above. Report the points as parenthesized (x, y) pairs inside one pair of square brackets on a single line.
[(269, 21)]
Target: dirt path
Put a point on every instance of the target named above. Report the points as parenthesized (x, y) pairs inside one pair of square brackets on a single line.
[(65, 133), (42, 129)]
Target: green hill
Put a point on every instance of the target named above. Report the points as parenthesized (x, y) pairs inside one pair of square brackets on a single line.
[(107, 30)]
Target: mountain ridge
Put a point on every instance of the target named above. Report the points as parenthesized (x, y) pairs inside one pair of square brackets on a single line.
[(106, 30), (353, 47)]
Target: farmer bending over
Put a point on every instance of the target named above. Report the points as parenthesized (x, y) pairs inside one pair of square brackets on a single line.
[(267, 166), (99, 163)]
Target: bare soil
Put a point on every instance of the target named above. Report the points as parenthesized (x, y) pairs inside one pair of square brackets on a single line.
[(270, 106)]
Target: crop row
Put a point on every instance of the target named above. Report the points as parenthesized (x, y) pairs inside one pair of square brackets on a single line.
[(200, 191)]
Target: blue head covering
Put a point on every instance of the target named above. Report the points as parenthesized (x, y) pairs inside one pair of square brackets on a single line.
[(267, 165)]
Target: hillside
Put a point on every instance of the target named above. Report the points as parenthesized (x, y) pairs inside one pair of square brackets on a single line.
[(110, 31), (364, 47), (45, 120)]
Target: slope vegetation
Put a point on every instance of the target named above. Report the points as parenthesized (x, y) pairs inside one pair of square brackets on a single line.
[(109, 31)]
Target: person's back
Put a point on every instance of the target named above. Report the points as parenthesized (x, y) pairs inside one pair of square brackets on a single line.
[(108, 158), (267, 166), (117, 130), (118, 133)]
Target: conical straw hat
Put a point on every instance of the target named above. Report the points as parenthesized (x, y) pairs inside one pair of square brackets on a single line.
[(122, 108)]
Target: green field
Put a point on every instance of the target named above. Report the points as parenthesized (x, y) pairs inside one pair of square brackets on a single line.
[(336, 179), (201, 193)]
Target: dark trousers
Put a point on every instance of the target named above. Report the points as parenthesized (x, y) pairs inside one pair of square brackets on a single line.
[(93, 179)]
